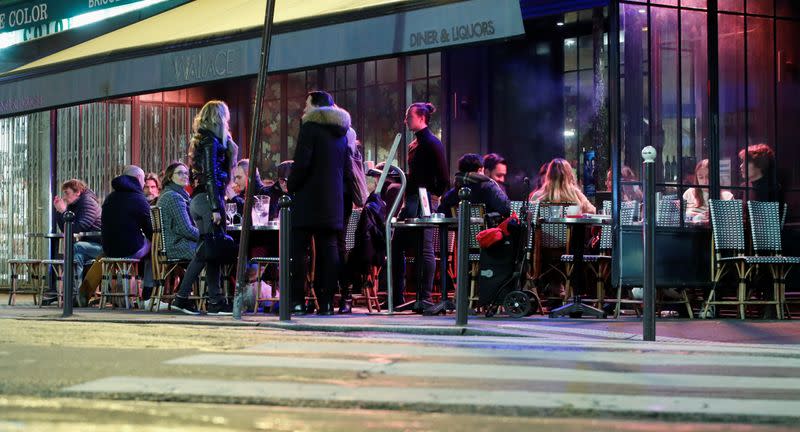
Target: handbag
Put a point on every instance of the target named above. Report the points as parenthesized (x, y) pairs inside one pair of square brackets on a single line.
[(219, 247)]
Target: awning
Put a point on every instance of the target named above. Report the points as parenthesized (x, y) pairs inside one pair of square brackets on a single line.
[(197, 43)]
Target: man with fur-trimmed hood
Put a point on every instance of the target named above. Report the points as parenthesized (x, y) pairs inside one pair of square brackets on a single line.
[(321, 171)]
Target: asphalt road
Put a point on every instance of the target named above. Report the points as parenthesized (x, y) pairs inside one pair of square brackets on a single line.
[(57, 375)]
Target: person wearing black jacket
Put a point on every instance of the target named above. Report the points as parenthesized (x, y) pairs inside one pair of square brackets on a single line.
[(483, 190), (320, 177), (212, 154), (427, 168), (127, 227), (78, 199), (241, 177)]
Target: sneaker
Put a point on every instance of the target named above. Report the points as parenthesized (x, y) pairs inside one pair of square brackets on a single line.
[(222, 308), (147, 304), (185, 305)]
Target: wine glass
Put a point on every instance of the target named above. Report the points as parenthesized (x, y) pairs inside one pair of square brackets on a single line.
[(230, 210)]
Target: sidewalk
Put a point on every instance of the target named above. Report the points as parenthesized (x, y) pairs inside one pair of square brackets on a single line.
[(628, 328)]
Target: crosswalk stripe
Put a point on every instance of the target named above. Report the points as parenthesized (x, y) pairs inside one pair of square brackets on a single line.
[(494, 371), (560, 353), (431, 397), (529, 343)]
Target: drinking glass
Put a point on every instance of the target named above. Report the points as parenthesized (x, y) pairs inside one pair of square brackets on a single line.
[(230, 210)]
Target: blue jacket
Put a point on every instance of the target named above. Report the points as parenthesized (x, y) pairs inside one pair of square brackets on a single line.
[(87, 215)]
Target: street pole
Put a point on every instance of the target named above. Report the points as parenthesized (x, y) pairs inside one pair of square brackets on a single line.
[(255, 157), (462, 278), (69, 217), (284, 250), (649, 234)]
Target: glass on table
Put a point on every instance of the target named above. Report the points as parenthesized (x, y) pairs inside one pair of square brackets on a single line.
[(260, 212), (230, 210)]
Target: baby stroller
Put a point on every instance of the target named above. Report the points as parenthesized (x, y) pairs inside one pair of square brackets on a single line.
[(504, 269)]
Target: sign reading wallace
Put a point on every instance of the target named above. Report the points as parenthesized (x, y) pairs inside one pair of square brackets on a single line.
[(45, 13)]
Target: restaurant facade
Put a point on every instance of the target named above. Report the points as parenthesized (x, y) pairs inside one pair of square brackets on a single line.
[(530, 80)]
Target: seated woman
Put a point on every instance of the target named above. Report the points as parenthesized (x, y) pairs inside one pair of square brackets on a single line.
[(629, 192), (180, 234), (696, 198), (560, 186)]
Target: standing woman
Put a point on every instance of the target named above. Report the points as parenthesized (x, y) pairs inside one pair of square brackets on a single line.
[(212, 154), (427, 168)]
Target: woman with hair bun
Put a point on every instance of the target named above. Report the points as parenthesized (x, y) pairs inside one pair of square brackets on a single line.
[(427, 168)]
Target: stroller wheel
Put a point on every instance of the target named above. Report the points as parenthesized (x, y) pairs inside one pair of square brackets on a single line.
[(517, 304)]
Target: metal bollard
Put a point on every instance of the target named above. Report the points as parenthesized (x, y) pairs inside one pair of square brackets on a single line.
[(462, 278), (649, 235), (285, 250), (69, 217)]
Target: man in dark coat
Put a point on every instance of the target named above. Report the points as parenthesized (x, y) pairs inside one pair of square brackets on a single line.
[(483, 190), (127, 227), (241, 177), (320, 173), (79, 199)]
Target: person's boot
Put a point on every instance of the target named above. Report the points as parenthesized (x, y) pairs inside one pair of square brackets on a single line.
[(345, 306)]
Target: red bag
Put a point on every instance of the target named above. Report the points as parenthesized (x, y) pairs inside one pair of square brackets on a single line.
[(489, 237)]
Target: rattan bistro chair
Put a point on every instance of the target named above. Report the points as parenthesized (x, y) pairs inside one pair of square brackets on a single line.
[(369, 282), (165, 269), (765, 228), (727, 224), (27, 277), (669, 212)]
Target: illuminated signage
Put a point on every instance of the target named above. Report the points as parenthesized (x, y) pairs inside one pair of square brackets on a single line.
[(31, 20)]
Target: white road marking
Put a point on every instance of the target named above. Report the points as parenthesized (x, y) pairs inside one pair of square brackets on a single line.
[(442, 397), (494, 371)]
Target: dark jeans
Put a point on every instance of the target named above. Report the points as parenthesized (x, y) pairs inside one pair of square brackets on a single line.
[(326, 264), (408, 240), (200, 210)]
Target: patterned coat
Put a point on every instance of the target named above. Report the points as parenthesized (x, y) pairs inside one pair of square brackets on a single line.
[(180, 234)]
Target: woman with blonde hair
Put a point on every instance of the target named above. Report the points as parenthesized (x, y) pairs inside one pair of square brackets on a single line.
[(560, 186), (212, 154), (696, 198)]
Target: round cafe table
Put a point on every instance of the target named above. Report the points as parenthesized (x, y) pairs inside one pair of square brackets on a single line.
[(577, 308)]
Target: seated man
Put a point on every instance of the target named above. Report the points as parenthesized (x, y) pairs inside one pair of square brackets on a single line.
[(241, 178), (278, 189), (127, 227), (79, 199), (483, 190)]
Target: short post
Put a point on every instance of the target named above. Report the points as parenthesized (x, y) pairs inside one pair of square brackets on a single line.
[(649, 235), (462, 278), (284, 250), (69, 217)]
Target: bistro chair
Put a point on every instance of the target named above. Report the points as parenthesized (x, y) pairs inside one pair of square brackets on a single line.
[(668, 213), (124, 270), (765, 228), (451, 271), (262, 264), (550, 237), (58, 271), (26, 276), (476, 211), (600, 264), (165, 269), (369, 282), (727, 225)]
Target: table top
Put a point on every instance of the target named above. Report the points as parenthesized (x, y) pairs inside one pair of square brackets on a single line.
[(582, 220), (268, 227)]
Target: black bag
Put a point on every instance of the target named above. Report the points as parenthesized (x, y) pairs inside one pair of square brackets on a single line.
[(219, 247)]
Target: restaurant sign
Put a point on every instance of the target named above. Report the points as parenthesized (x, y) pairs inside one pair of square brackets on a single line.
[(42, 17)]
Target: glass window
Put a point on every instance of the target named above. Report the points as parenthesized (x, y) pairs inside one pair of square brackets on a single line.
[(788, 8), (760, 81), (664, 123), (694, 96), (570, 54), (764, 7), (635, 87), (434, 64), (585, 52), (731, 98), (701, 4), (369, 73), (788, 99), (387, 71), (731, 5), (665, 2), (417, 67)]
